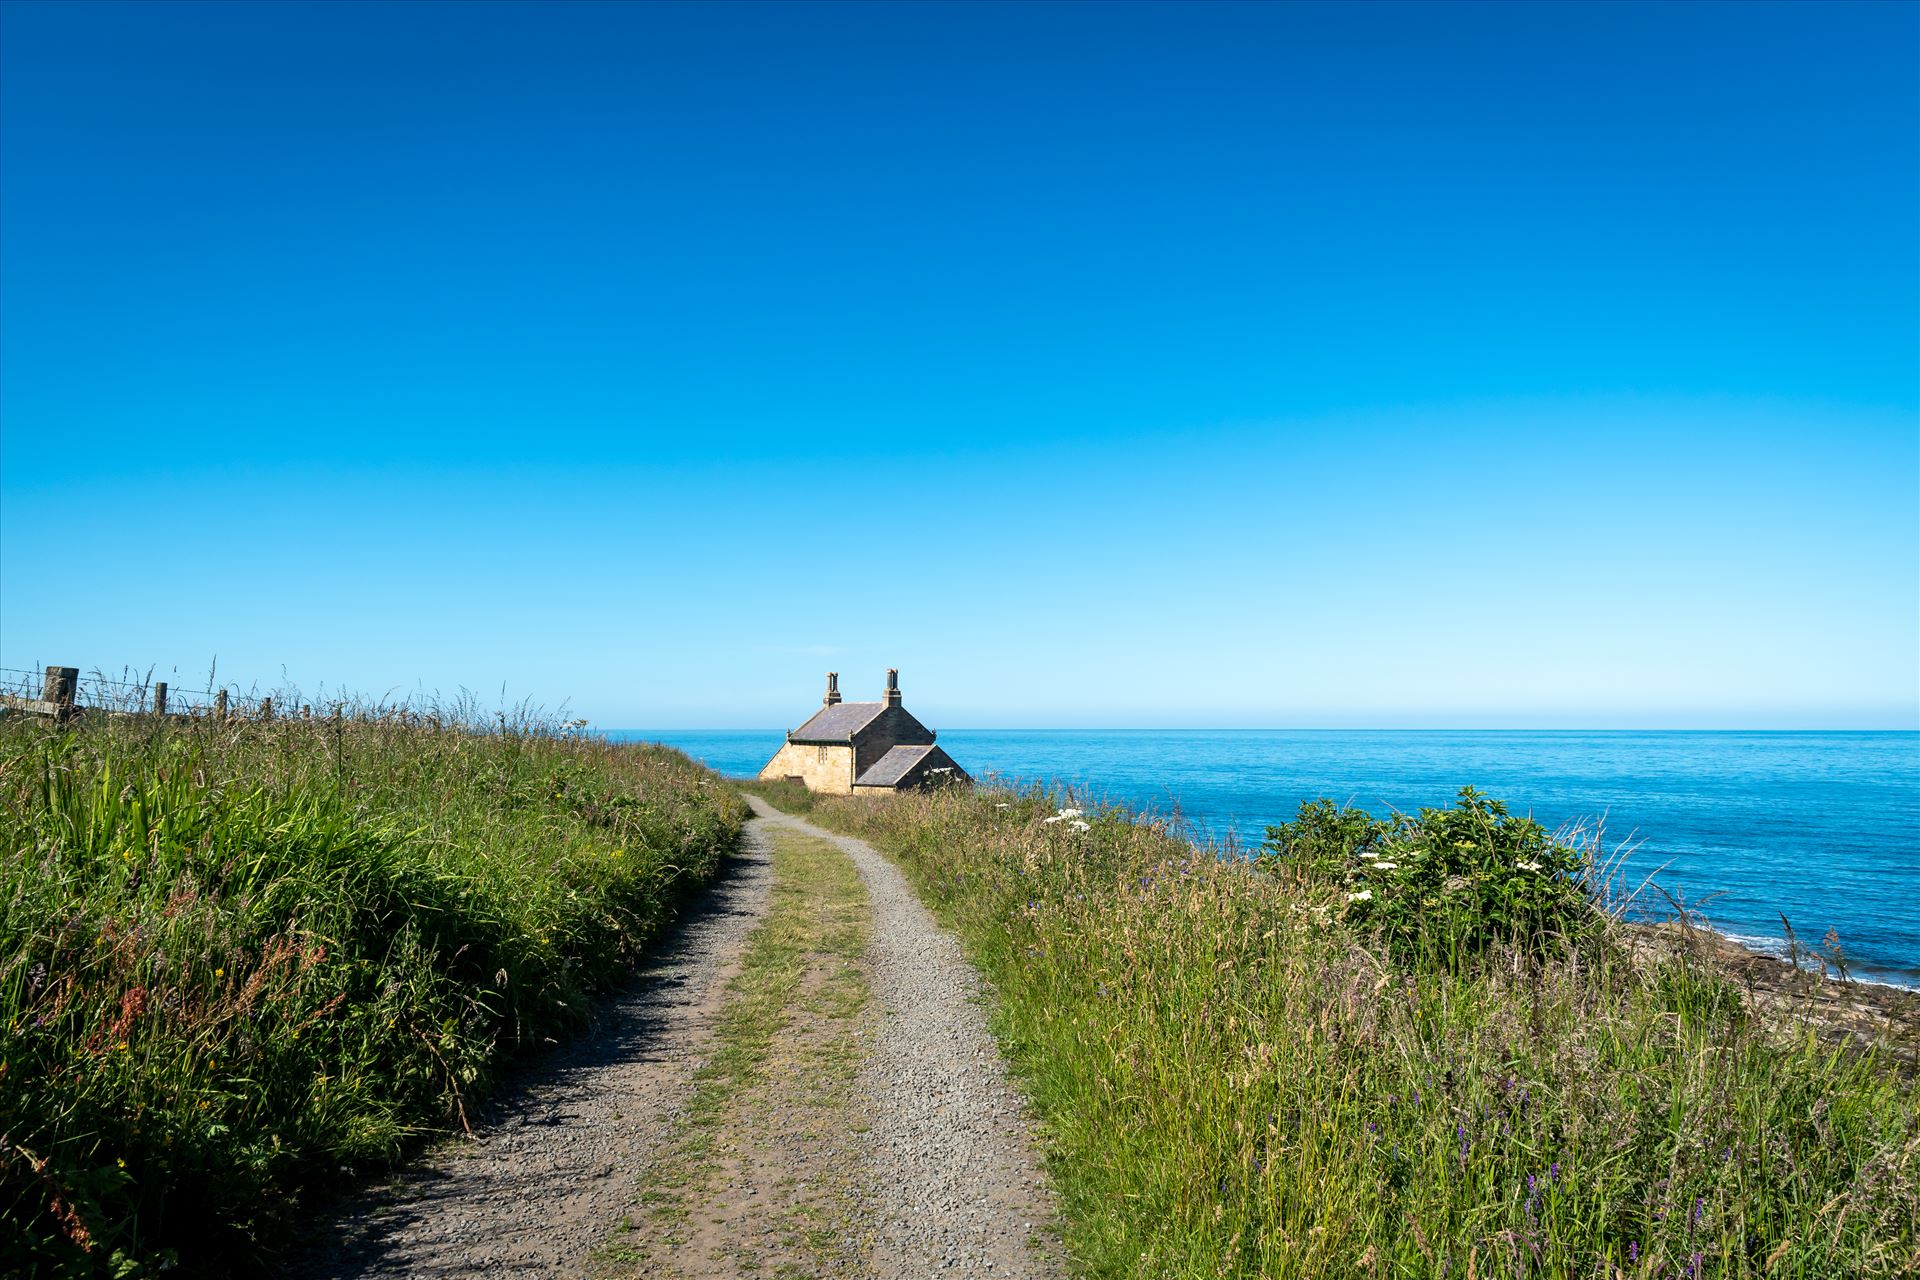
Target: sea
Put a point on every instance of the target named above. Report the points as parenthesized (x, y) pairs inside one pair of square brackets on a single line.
[(1754, 833)]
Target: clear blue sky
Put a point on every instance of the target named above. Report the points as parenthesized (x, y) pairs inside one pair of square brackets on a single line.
[(1199, 365)]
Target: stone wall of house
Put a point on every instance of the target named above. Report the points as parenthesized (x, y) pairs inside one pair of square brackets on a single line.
[(894, 727), (823, 767)]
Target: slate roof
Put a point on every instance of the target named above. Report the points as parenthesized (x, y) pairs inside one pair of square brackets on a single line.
[(893, 766), (838, 723)]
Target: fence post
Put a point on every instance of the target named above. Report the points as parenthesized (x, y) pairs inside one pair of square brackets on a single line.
[(160, 698), (220, 705), (59, 688)]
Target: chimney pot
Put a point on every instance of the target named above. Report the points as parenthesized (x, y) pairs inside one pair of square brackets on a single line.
[(833, 689), (893, 686)]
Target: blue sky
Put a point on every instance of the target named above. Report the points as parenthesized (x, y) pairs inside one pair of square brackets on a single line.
[(1230, 365)]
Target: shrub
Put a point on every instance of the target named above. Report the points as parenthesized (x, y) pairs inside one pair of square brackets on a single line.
[(1325, 839), (1446, 884)]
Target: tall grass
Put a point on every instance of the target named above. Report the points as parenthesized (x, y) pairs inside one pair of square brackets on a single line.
[(1239, 1078), (241, 961)]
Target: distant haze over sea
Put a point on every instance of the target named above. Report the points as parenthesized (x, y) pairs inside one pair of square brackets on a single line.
[(1821, 827)]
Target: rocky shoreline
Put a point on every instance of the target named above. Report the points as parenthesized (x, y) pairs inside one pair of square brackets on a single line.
[(1840, 1009)]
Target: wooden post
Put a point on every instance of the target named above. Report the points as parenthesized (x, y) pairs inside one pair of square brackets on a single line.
[(266, 708), (306, 711), (59, 688), (220, 705), (160, 698)]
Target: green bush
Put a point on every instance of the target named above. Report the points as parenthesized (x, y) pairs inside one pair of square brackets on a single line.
[(1445, 884), (1325, 839)]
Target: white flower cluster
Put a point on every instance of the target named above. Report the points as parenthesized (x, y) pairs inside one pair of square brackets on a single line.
[(1527, 866), (1069, 816), (1365, 895)]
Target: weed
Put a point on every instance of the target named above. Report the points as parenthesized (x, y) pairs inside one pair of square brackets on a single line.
[(241, 961)]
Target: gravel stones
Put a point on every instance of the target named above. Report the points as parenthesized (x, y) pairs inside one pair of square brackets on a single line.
[(954, 1186), (555, 1159)]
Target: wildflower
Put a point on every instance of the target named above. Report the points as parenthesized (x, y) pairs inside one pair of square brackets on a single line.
[(1368, 853), (122, 1046), (1385, 866), (219, 973), (1633, 1251), (1527, 866), (619, 853), (121, 1161), (1078, 825), (1071, 813), (1365, 895)]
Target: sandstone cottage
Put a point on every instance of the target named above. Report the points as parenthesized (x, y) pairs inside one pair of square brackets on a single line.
[(863, 748)]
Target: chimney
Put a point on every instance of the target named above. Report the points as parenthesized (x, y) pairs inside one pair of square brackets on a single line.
[(893, 686), (833, 689)]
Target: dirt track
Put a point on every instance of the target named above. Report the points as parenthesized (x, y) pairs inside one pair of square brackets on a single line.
[(933, 1170)]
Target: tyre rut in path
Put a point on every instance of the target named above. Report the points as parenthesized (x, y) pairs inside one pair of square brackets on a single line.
[(953, 1184), (559, 1154)]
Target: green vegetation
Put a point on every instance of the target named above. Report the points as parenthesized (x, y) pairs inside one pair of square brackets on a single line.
[(1244, 1070), (784, 795), (769, 1105), (239, 961), (1446, 884)]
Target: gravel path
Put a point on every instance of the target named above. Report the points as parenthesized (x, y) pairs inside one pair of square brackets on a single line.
[(949, 1180), (952, 1179), (556, 1159)]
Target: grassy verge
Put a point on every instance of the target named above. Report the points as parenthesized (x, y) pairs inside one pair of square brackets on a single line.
[(239, 961), (756, 1180), (1239, 1075), (788, 797)]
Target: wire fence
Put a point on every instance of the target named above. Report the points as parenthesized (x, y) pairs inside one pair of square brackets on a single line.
[(65, 692)]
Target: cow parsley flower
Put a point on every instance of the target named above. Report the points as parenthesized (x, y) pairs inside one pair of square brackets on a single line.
[(1365, 895)]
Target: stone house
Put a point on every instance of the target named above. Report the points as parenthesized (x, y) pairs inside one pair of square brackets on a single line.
[(863, 748)]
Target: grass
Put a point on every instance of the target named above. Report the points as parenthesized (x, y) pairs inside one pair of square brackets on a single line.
[(244, 961), (784, 795), (1238, 1079), (783, 1049)]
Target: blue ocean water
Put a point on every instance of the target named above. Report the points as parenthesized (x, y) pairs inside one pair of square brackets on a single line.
[(1823, 828)]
